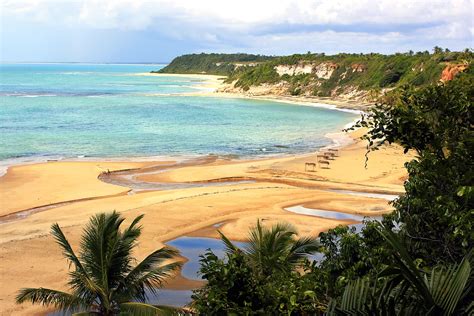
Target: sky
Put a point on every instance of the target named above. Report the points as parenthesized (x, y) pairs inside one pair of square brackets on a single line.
[(159, 30)]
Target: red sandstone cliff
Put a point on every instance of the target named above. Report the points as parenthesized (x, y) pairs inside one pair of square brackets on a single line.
[(451, 70)]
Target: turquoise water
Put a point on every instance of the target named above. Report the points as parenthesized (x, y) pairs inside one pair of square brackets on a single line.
[(80, 110)]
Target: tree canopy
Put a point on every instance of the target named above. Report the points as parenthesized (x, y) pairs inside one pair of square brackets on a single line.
[(104, 279)]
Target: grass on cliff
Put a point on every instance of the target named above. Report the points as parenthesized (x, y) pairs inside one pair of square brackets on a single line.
[(215, 64), (369, 72)]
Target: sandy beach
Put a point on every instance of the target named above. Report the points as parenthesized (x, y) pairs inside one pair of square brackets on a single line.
[(181, 199), (235, 157), (30, 258), (208, 83), (214, 86)]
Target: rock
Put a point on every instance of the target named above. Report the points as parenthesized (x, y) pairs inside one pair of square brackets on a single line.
[(325, 70), (293, 70), (322, 70), (358, 67), (451, 70)]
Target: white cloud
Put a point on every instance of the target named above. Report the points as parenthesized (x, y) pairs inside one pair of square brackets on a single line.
[(137, 14), (262, 24)]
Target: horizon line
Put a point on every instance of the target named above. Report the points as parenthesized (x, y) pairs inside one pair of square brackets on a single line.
[(84, 62)]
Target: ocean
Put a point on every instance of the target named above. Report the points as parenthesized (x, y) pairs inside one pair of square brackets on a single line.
[(60, 111)]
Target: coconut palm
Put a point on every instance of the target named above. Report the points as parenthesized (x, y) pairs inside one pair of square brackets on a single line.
[(274, 249), (105, 279), (403, 289)]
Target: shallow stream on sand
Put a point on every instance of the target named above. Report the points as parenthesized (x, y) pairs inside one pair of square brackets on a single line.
[(192, 247)]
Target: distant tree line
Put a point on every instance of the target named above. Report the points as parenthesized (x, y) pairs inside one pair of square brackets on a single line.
[(416, 261), (368, 72)]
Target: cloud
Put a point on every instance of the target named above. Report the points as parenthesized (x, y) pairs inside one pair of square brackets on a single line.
[(246, 14), (271, 26)]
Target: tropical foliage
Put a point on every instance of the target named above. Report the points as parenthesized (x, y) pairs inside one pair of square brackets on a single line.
[(402, 288), (104, 279), (267, 276), (274, 249), (216, 64), (371, 73), (418, 263), (436, 213)]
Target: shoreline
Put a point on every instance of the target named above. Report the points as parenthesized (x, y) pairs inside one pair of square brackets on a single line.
[(32, 259), (215, 85), (330, 104), (338, 140), (211, 84), (280, 182)]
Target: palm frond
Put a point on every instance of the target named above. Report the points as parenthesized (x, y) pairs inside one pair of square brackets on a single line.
[(302, 247), (79, 277), (355, 296), (133, 231), (364, 297), (442, 289), (229, 245), (405, 264), (447, 285), (154, 279), (85, 287), (275, 248), (58, 299), (139, 309), (98, 244), (149, 273), (119, 253), (104, 275), (68, 252)]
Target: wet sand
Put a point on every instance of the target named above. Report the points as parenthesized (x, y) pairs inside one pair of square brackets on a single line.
[(30, 258)]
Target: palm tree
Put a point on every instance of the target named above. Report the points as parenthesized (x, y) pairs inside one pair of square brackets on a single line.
[(104, 279), (274, 249), (403, 289)]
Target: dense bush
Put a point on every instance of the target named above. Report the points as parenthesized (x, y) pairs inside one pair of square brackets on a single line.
[(375, 71), (268, 276), (436, 211), (419, 262), (233, 288), (217, 64), (258, 75)]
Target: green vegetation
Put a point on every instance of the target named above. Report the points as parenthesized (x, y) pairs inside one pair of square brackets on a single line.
[(355, 71), (266, 277), (105, 280), (274, 250), (403, 289), (436, 211), (368, 73), (418, 262), (257, 75), (215, 64)]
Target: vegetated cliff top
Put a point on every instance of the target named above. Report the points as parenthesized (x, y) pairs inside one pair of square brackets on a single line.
[(362, 76), (215, 64)]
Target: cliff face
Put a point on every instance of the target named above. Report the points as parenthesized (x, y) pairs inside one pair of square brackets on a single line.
[(293, 70), (361, 77), (358, 67), (451, 70), (303, 79), (283, 88), (325, 70), (358, 81), (322, 70)]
